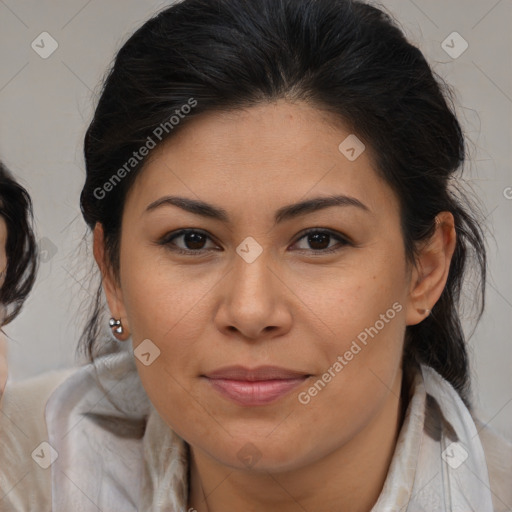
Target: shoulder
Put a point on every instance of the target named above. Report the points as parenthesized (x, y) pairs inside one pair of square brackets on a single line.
[(498, 455), (24, 480), (28, 397)]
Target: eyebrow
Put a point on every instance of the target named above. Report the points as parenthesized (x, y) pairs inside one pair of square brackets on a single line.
[(285, 213)]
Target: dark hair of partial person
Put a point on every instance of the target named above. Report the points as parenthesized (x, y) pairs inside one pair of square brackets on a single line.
[(344, 57), (21, 247)]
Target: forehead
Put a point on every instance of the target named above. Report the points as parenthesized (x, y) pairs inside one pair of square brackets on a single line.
[(271, 153)]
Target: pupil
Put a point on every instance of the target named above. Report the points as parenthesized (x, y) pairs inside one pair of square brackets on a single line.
[(317, 240), (194, 240)]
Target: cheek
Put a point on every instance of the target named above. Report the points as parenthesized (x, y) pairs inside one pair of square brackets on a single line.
[(170, 306), (366, 320), (363, 311), (160, 296), (369, 288)]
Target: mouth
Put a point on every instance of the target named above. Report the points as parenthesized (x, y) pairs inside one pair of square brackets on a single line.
[(258, 386)]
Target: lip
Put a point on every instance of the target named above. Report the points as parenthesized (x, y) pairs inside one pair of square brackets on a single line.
[(260, 373), (257, 386)]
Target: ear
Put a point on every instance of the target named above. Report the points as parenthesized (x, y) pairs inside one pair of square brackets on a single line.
[(111, 287), (430, 273)]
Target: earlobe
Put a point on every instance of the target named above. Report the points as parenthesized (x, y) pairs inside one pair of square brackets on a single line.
[(111, 287), (430, 274)]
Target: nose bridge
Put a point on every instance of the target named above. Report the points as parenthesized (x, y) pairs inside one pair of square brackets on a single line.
[(252, 277), (252, 302)]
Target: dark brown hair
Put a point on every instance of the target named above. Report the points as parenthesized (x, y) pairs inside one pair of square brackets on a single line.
[(21, 248)]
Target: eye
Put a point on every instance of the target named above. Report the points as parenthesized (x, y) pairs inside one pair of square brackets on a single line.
[(320, 241), (195, 242), (187, 241)]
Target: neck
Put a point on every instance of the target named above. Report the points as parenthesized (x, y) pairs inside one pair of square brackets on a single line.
[(350, 477)]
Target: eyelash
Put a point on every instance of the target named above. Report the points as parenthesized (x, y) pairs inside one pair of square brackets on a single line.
[(168, 239)]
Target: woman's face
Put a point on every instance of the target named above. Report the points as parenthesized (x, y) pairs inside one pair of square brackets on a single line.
[(250, 288)]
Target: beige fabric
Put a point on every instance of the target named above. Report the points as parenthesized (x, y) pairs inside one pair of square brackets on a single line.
[(24, 486), (498, 454)]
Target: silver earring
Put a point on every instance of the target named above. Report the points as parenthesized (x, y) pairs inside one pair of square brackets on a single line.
[(116, 326), (425, 312)]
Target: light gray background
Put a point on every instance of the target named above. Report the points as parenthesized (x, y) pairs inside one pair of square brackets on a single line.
[(45, 105)]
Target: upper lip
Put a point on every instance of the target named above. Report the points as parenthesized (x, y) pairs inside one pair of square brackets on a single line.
[(255, 374)]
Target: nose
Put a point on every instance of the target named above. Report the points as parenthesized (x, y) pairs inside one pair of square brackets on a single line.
[(254, 301)]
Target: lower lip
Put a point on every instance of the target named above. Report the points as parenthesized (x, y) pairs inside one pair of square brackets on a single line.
[(255, 393)]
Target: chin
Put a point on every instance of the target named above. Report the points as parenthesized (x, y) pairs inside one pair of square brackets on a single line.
[(249, 454)]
